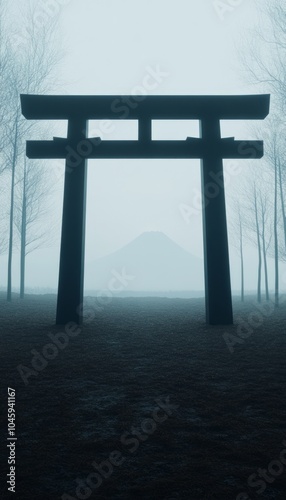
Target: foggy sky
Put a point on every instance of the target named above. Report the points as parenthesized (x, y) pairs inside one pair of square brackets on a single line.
[(110, 47)]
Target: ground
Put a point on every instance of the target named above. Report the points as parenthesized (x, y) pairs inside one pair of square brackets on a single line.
[(222, 401)]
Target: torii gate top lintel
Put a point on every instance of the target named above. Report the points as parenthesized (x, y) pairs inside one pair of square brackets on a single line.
[(209, 110), (176, 107)]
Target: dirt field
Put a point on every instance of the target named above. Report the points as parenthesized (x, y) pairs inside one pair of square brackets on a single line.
[(147, 388)]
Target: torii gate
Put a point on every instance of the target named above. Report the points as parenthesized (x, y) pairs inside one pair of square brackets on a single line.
[(210, 148)]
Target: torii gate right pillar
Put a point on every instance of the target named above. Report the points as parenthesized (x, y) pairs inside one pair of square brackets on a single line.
[(216, 255)]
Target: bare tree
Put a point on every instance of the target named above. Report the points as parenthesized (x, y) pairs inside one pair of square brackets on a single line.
[(30, 71), (257, 231), (281, 181), (4, 87), (273, 194), (266, 233), (264, 52), (237, 238), (264, 59), (3, 220), (13, 153), (252, 222), (274, 156), (276, 242), (32, 205)]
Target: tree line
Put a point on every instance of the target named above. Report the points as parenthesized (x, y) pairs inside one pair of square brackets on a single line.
[(28, 58), (258, 210)]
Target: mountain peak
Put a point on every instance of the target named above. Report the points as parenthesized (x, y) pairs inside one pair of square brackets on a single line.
[(155, 261), (153, 235)]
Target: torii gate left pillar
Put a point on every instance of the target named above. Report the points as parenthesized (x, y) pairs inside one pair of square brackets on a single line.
[(72, 252)]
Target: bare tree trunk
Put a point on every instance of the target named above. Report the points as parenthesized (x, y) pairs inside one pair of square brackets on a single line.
[(259, 251), (265, 265), (10, 250), (23, 236), (282, 200), (276, 243), (241, 264)]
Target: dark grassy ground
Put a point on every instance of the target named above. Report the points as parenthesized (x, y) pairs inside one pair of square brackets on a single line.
[(230, 415)]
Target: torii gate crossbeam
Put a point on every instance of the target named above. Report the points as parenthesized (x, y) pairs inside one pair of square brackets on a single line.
[(77, 148)]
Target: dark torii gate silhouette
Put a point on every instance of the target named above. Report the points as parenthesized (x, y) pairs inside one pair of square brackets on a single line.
[(210, 148)]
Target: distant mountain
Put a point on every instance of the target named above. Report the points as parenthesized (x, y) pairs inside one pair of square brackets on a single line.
[(155, 262)]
